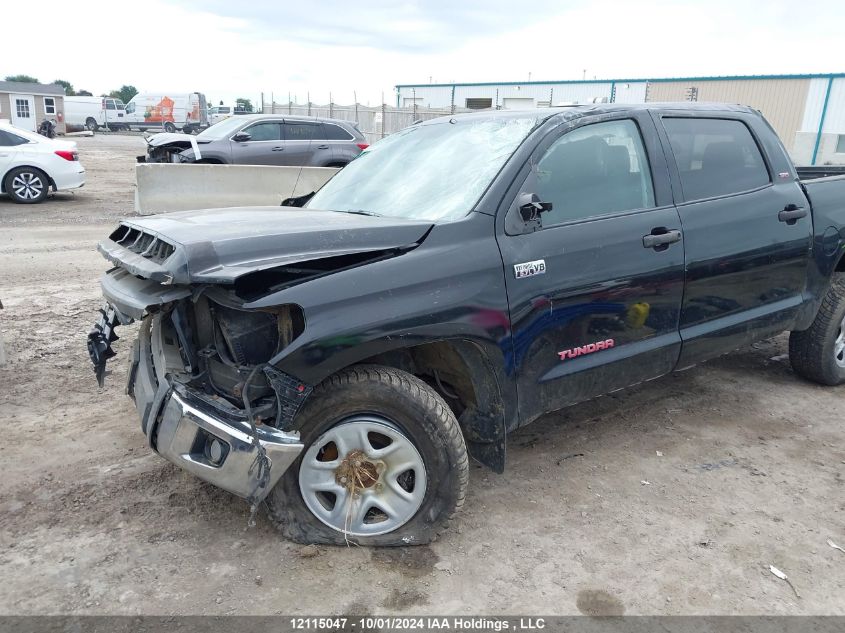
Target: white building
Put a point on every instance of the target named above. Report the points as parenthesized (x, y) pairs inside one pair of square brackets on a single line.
[(807, 111)]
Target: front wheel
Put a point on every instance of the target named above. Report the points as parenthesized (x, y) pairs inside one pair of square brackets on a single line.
[(818, 353), (27, 185), (169, 127), (384, 463)]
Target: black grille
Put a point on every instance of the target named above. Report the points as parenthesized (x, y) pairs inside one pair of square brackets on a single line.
[(145, 244)]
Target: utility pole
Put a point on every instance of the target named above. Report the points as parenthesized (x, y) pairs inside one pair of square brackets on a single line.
[(355, 98)]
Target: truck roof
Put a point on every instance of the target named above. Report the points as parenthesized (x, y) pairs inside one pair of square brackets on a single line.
[(571, 111)]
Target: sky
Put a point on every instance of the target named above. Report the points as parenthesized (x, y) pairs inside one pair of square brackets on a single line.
[(230, 49)]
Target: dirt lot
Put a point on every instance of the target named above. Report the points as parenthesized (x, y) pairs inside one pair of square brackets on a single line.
[(670, 498)]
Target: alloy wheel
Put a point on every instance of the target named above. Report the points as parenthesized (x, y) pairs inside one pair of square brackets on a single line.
[(27, 185)]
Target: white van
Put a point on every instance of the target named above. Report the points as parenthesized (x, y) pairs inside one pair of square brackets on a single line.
[(168, 111), (219, 112), (93, 113)]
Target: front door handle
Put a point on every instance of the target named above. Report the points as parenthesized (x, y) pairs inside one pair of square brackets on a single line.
[(792, 213), (322, 147), (661, 240), (278, 149)]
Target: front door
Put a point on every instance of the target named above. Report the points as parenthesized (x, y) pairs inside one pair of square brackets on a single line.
[(23, 111), (264, 147), (595, 294), (747, 231)]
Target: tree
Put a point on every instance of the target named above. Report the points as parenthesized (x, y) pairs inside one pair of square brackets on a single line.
[(27, 79), (69, 92), (84, 93), (243, 104), (125, 93)]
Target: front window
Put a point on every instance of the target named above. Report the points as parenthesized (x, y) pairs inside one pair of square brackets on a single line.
[(220, 130), (435, 171), (49, 105)]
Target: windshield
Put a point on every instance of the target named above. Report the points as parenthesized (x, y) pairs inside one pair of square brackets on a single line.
[(426, 172), (220, 130)]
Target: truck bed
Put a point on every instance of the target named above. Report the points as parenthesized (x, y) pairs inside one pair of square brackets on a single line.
[(812, 172)]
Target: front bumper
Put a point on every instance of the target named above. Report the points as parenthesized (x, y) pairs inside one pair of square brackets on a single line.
[(221, 451), (206, 437)]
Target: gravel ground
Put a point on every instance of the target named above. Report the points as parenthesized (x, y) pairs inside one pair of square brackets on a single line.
[(670, 498)]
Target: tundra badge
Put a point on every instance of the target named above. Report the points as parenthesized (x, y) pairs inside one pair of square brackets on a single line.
[(529, 269)]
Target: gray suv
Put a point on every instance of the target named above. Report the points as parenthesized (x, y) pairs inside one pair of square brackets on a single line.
[(262, 139)]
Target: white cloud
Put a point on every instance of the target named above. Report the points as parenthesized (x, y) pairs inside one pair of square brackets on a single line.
[(157, 45)]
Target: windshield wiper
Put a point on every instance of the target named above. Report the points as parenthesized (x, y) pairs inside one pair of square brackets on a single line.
[(363, 212)]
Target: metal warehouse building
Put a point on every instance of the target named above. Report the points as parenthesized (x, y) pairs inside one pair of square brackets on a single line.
[(808, 111)]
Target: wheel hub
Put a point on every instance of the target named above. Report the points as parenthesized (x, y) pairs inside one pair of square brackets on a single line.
[(356, 472)]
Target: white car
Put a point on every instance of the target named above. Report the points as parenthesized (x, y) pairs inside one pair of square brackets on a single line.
[(31, 164)]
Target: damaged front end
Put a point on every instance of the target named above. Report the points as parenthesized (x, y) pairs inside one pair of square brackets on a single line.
[(171, 147), (208, 399), (204, 371)]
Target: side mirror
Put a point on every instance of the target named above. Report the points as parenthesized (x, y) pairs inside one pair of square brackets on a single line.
[(530, 206), (241, 137)]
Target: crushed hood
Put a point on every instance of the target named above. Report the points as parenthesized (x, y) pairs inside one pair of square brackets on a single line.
[(175, 139), (221, 245)]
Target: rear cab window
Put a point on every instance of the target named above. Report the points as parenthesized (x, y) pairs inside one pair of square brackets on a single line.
[(715, 157)]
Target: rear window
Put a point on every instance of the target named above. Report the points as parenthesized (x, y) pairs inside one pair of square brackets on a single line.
[(336, 133), (7, 139), (715, 157)]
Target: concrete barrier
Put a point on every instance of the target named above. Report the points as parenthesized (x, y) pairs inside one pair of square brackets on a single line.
[(163, 187)]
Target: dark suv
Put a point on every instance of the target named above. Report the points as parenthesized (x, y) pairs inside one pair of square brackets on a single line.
[(263, 139)]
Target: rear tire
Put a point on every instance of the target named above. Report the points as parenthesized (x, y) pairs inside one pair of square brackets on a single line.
[(818, 353), (91, 125), (417, 428), (26, 185), (169, 127)]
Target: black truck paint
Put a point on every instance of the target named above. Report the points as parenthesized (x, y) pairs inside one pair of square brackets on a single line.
[(620, 298)]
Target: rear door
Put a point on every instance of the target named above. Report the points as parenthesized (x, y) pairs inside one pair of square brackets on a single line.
[(595, 294), (747, 230), (305, 144), (341, 142), (264, 146), (8, 149)]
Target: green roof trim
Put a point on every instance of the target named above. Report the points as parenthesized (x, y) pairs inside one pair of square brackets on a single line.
[(630, 81)]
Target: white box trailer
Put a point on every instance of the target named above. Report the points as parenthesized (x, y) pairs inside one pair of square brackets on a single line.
[(93, 113), (168, 111)]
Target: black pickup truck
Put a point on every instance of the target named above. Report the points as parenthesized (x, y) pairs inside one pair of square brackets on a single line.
[(342, 359)]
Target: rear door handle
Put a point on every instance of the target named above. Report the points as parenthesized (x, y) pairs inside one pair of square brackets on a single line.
[(661, 241), (278, 149), (322, 147), (792, 213)]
